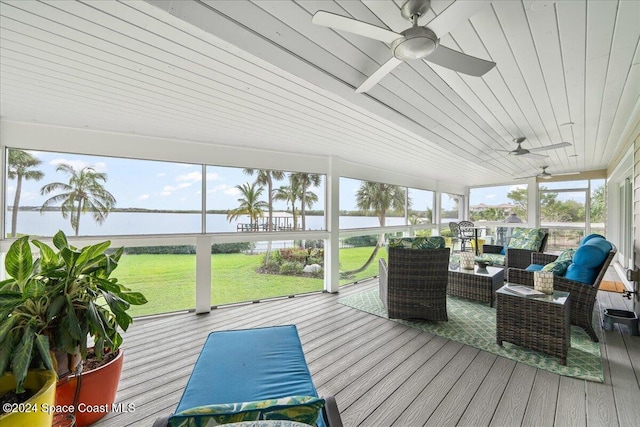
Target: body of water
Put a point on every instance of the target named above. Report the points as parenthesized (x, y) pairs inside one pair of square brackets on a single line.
[(136, 223)]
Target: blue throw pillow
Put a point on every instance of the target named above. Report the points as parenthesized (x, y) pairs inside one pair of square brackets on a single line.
[(581, 274), (593, 253), (601, 243), (534, 267), (589, 237), (503, 251)]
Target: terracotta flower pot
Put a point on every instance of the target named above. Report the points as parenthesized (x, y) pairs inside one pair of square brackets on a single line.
[(97, 392)]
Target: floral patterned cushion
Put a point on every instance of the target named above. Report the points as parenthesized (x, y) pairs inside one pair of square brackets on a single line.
[(432, 242), (303, 409), (526, 238), (495, 259), (566, 255), (559, 268)]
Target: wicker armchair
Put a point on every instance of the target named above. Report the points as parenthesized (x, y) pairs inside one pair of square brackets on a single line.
[(414, 283), (515, 258), (583, 297)]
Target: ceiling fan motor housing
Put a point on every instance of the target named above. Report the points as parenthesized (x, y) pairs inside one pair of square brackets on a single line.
[(417, 43)]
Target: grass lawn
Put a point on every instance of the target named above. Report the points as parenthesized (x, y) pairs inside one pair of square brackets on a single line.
[(168, 281)]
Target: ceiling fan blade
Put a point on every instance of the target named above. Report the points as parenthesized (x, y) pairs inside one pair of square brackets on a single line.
[(566, 173), (339, 22), (385, 69), (460, 62), (550, 147), (534, 155), (454, 15)]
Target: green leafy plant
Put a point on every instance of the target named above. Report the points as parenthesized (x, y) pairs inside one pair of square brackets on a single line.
[(55, 302)]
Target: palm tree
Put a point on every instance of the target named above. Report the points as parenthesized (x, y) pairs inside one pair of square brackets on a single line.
[(380, 198), (20, 164), (307, 198), (266, 177), (250, 204), (83, 193), (289, 194)]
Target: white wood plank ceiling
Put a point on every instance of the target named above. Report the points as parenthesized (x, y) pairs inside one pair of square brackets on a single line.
[(260, 74)]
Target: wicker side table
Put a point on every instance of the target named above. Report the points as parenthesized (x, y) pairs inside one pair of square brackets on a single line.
[(540, 323), (475, 284)]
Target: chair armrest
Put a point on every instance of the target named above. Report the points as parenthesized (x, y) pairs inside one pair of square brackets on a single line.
[(383, 280), (491, 249), (520, 276), (517, 258), (330, 412), (579, 291), (542, 259)]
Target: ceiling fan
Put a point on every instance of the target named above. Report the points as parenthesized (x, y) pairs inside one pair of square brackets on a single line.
[(547, 175), (415, 42), (532, 152)]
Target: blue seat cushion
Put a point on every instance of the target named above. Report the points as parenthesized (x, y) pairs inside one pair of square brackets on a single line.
[(534, 267), (247, 366)]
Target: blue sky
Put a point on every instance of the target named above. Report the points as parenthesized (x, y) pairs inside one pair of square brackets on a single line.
[(147, 184), (167, 185)]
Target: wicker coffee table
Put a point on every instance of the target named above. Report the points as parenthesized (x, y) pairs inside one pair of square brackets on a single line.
[(538, 323), (478, 286)]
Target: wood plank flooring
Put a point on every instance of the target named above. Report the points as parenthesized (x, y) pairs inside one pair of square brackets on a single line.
[(386, 374)]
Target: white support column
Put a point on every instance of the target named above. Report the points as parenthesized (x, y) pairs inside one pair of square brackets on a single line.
[(437, 195), (533, 208), (332, 245), (203, 274)]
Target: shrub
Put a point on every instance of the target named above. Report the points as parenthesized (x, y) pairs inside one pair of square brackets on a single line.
[(360, 241), (294, 254), (313, 244), (291, 267), (218, 248), (230, 248)]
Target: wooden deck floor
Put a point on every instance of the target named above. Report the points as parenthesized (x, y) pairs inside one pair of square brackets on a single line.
[(386, 374)]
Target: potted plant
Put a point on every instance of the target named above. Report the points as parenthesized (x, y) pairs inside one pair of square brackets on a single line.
[(50, 309), (34, 406)]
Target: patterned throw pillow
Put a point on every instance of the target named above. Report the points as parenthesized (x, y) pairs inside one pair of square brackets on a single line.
[(559, 268), (495, 259), (303, 409), (566, 255), (432, 242), (526, 238)]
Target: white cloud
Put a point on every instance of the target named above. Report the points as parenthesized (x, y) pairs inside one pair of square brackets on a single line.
[(212, 176), (217, 188), (78, 165), (191, 176), (161, 174), (491, 196), (170, 189), (233, 191), (143, 197)]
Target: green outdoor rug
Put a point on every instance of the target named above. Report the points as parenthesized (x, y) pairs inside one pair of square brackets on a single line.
[(474, 324)]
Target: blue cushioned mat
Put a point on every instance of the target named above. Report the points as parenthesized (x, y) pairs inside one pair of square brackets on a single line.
[(249, 365)]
